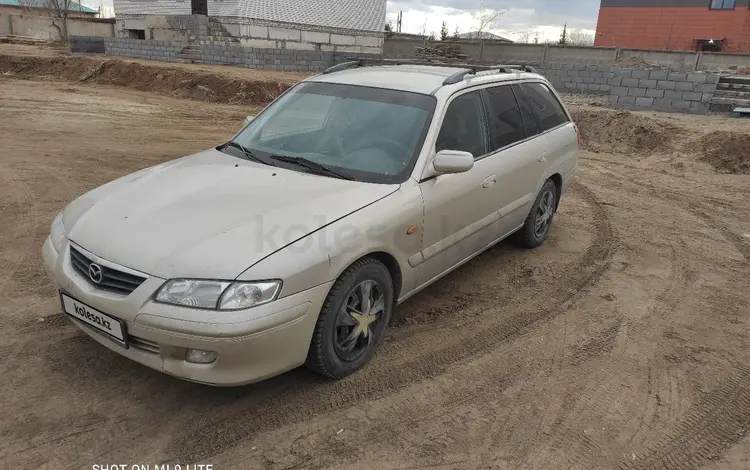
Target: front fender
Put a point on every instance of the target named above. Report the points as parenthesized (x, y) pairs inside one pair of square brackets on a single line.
[(324, 254)]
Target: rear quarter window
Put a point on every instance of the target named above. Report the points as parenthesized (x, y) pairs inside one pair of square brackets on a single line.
[(545, 105)]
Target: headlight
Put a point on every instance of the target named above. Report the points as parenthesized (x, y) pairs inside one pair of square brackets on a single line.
[(57, 232), (218, 295)]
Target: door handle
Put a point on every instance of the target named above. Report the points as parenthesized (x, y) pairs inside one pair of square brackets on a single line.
[(489, 181), (543, 157)]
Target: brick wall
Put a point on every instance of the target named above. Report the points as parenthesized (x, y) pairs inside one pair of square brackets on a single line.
[(672, 28)]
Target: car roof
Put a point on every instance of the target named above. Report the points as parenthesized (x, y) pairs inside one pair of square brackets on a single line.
[(423, 79)]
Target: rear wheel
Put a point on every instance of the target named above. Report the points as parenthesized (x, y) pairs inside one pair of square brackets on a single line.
[(353, 319), (536, 227)]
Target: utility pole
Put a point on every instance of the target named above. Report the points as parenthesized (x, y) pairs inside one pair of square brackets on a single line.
[(398, 21)]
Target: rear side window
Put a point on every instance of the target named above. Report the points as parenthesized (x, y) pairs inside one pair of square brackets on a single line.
[(545, 106), (530, 122), (506, 124), (463, 126)]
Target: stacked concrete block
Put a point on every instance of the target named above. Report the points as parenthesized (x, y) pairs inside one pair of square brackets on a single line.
[(636, 88), (664, 90), (86, 45), (167, 51), (299, 60), (576, 78)]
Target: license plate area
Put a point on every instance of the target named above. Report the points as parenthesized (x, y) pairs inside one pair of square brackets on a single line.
[(111, 327)]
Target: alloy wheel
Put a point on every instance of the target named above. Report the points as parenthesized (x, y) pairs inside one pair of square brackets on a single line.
[(358, 319), (544, 214)]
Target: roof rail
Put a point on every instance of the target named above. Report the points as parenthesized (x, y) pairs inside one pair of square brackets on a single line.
[(473, 69), (353, 62), (468, 69)]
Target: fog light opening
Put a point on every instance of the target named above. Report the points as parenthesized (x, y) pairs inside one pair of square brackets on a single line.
[(199, 356)]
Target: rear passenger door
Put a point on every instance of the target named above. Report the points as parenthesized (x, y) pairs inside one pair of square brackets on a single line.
[(515, 155), (558, 133)]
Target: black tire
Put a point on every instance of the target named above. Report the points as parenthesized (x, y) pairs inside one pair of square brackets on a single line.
[(529, 236), (326, 355)]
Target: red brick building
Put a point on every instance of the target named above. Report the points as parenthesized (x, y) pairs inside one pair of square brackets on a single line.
[(690, 25)]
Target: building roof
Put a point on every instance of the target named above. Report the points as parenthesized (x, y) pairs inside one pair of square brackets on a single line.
[(365, 15), (483, 35), (360, 15), (74, 6), (413, 78)]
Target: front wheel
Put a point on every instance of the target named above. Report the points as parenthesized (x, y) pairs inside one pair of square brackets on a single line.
[(353, 319), (536, 227)]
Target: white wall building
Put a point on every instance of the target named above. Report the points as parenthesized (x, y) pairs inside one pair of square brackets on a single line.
[(251, 21)]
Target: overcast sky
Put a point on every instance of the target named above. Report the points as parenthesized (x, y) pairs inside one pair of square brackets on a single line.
[(545, 16)]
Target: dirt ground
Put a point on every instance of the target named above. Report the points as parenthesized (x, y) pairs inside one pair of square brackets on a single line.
[(622, 343)]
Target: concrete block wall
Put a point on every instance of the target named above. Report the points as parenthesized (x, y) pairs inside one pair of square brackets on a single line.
[(513, 53), (144, 49), (86, 45), (273, 58), (235, 54), (494, 52), (723, 61), (274, 35), (50, 29), (631, 88)]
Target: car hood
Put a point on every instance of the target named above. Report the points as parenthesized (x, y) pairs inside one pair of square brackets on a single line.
[(210, 215)]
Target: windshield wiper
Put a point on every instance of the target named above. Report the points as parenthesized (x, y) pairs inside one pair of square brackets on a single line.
[(315, 167), (244, 150)]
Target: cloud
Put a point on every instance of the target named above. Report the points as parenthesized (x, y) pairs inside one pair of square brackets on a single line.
[(544, 16)]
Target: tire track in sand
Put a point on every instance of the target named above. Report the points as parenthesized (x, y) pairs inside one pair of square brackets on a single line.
[(485, 334)]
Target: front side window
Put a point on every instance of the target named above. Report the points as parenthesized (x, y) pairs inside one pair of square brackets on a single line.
[(362, 133), (723, 4), (506, 124), (545, 105), (464, 126)]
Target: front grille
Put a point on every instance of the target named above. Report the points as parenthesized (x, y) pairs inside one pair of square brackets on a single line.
[(112, 280), (144, 344)]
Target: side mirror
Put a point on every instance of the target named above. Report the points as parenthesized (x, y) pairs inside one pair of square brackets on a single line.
[(453, 161), (249, 119)]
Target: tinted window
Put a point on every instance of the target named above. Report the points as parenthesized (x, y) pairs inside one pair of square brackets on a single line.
[(506, 125), (463, 126), (548, 111), (529, 120)]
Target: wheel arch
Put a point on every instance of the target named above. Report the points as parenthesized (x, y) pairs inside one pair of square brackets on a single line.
[(392, 265), (557, 179)]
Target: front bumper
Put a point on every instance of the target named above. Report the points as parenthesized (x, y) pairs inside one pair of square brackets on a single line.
[(252, 344)]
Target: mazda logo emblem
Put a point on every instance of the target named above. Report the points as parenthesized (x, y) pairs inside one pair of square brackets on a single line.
[(95, 273)]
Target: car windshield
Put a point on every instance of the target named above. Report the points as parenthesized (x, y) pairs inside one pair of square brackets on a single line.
[(361, 133)]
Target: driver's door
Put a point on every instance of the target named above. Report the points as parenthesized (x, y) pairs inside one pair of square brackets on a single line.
[(461, 214)]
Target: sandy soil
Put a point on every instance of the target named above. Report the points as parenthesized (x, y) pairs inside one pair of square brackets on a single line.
[(622, 343)]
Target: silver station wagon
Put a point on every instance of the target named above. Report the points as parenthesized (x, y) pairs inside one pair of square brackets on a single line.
[(292, 243)]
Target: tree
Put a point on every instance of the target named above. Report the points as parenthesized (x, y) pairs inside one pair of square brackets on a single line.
[(60, 9), (389, 29), (456, 33), (486, 19), (444, 35), (564, 35), (524, 37), (580, 38)]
